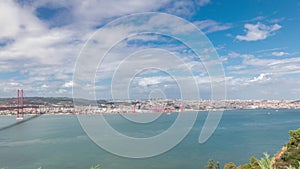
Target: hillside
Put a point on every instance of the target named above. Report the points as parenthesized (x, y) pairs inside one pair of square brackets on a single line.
[(65, 101), (287, 158), (290, 153), (39, 100)]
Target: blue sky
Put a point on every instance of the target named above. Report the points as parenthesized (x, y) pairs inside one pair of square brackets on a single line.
[(257, 42)]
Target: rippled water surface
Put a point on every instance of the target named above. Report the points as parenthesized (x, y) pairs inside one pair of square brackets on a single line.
[(59, 141)]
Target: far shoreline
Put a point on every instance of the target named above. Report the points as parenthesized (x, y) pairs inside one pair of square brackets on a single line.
[(141, 112)]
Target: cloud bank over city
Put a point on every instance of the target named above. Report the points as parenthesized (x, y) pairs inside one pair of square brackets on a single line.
[(41, 40)]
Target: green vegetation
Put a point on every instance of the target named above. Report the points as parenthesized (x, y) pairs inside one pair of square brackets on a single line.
[(287, 158), (211, 165), (66, 101), (96, 167), (39, 100), (264, 163), (230, 165), (290, 155), (267, 162)]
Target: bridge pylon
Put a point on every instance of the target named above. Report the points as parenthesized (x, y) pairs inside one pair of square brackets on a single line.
[(20, 104)]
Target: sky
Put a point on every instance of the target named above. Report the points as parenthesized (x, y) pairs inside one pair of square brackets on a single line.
[(257, 42)]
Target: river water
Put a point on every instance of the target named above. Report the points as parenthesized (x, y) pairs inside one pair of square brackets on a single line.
[(59, 142)]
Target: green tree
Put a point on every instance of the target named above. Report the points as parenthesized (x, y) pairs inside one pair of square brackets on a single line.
[(210, 164), (218, 165), (230, 165), (254, 163), (266, 162), (96, 167), (291, 156)]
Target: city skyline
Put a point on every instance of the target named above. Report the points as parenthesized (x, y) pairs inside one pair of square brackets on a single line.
[(257, 42)]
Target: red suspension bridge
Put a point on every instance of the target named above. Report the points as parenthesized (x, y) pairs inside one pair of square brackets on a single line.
[(19, 106)]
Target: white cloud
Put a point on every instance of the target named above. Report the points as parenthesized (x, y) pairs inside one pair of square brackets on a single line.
[(258, 31), (230, 55), (17, 21), (261, 77), (41, 53), (90, 13), (258, 18), (44, 86), (275, 88), (14, 84), (68, 84), (148, 81), (253, 65), (185, 8), (268, 50), (203, 2), (209, 26), (275, 66), (236, 67), (45, 56), (279, 53), (276, 20)]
